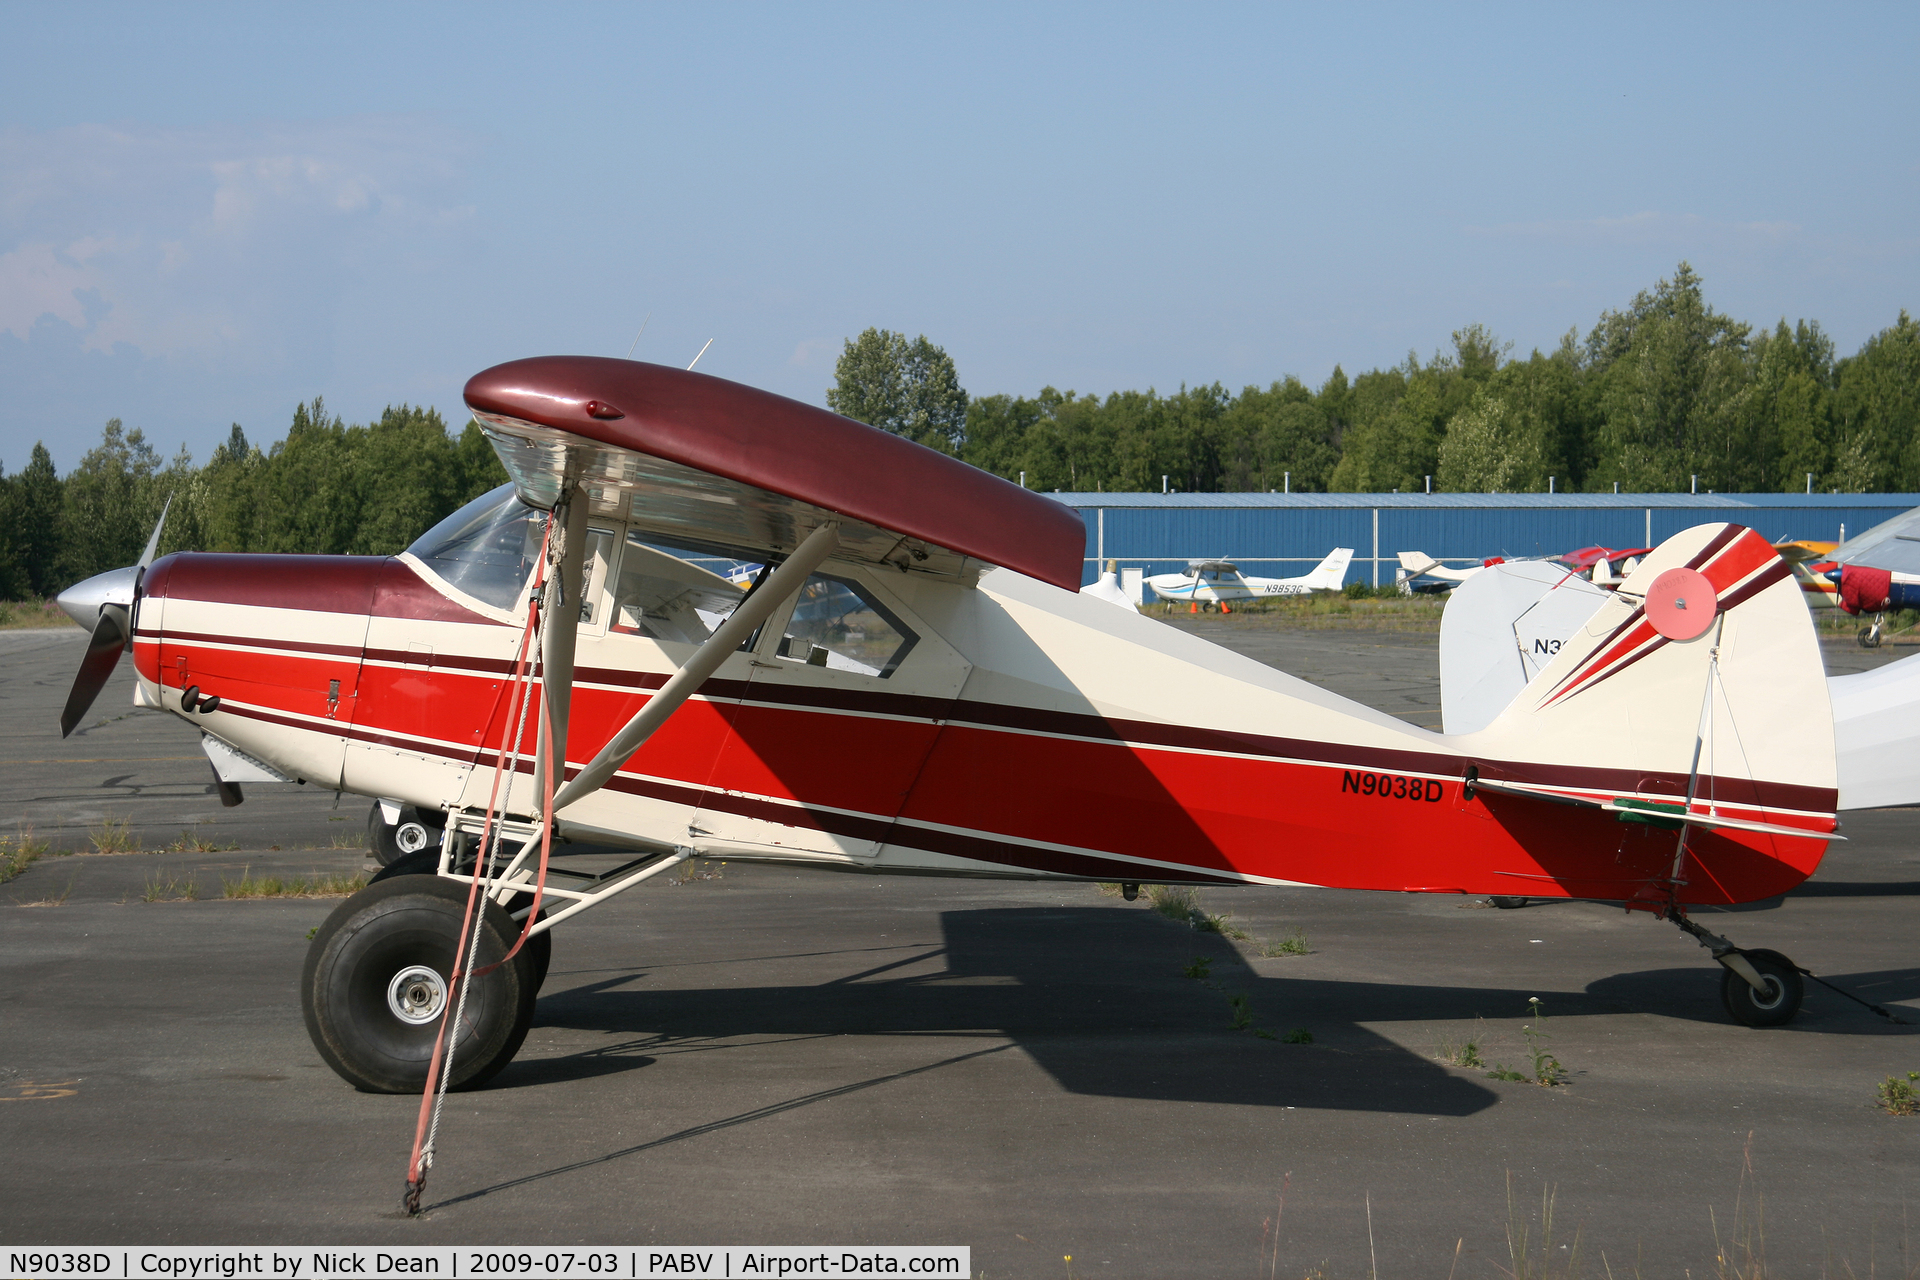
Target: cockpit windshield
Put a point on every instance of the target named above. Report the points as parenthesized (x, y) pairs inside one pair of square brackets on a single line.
[(487, 548)]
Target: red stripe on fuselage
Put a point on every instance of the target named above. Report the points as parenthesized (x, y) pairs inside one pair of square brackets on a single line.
[(1004, 783)]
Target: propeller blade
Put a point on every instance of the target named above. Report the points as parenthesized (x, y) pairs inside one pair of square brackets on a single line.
[(103, 654), (153, 543)]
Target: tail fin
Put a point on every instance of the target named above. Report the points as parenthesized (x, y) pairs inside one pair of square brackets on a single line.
[(1641, 706), (1417, 562), (1331, 574)]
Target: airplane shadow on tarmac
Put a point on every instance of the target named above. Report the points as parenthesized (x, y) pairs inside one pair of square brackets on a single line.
[(1095, 995), (1694, 995), (1097, 998)]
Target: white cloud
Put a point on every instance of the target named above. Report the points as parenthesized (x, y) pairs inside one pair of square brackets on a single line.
[(813, 351), (40, 280), (217, 245)]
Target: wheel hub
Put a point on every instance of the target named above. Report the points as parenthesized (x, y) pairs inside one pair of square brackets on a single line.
[(411, 837), (416, 995)]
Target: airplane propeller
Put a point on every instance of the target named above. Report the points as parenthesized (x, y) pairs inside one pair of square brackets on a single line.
[(105, 602)]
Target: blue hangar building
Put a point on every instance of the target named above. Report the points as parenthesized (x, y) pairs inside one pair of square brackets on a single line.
[(1281, 535)]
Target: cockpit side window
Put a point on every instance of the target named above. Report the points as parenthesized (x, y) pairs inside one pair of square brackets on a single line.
[(670, 593), (487, 548)]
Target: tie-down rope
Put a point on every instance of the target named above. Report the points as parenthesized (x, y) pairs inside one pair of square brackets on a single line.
[(432, 1100)]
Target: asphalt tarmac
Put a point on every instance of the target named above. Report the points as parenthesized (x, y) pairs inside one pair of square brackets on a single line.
[(786, 1058)]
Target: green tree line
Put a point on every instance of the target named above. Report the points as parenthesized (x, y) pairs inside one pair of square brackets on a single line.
[(1659, 397), (1656, 395), (327, 488)]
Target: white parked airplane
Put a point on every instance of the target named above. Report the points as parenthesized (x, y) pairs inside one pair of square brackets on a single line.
[(1221, 582), (1418, 564)]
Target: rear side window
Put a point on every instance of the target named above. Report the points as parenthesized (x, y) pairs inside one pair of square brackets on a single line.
[(840, 625), (487, 548)]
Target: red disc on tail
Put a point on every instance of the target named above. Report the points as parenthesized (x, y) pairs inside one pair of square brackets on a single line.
[(1681, 604)]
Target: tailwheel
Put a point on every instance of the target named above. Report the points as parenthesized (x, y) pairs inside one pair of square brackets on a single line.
[(1760, 988), (1771, 1008), (374, 988)]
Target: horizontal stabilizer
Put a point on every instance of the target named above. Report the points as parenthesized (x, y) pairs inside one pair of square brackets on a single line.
[(1660, 813)]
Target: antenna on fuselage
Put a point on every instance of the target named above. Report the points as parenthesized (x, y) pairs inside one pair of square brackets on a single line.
[(636, 337), (696, 359)]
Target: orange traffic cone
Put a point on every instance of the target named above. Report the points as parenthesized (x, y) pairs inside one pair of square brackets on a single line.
[(1193, 606), (1224, 608)]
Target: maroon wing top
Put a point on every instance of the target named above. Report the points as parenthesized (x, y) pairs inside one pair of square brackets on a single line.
[(641, 415)]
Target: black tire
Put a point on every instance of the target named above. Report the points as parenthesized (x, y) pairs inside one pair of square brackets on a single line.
[(405, 922), (387, 843), (1506, 902), (426, 862), (1868, 640), (1747, 1006), (380, 837)]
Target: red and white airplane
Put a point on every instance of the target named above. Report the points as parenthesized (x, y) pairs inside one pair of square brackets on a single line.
[(913, 684)]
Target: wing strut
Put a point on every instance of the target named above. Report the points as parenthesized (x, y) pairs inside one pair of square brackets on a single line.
[(785, 581), (560, 629)]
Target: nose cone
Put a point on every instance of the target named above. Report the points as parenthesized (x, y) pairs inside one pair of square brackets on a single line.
[(82, 600)]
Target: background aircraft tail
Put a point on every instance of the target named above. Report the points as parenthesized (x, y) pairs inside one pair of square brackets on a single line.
[(1416, 563), (1644, 695), (1331, 574)]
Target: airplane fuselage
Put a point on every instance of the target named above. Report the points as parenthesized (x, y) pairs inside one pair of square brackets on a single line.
[(1182, 590), (1026, 733)]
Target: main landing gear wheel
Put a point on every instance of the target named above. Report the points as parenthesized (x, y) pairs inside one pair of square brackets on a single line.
[(1507, 902), (409, 835), (375, 988), (1778, 1005), (426, 862)]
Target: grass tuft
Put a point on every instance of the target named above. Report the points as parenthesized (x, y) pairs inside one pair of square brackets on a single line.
[(1174, 901), (52, 900), (191, 843), (694, 869), (1182, 903), (1299, 1035), (1547, 1071), (1545, 1264), (170, 888), (1464, 1053), (114, 835), (19, 850), (1294, 944), (325, 886), (1898, 1097)]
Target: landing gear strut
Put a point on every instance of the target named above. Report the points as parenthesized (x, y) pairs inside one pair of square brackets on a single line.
[(1758, 988)]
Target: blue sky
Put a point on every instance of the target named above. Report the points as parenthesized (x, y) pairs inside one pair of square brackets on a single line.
[(209, 213)]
